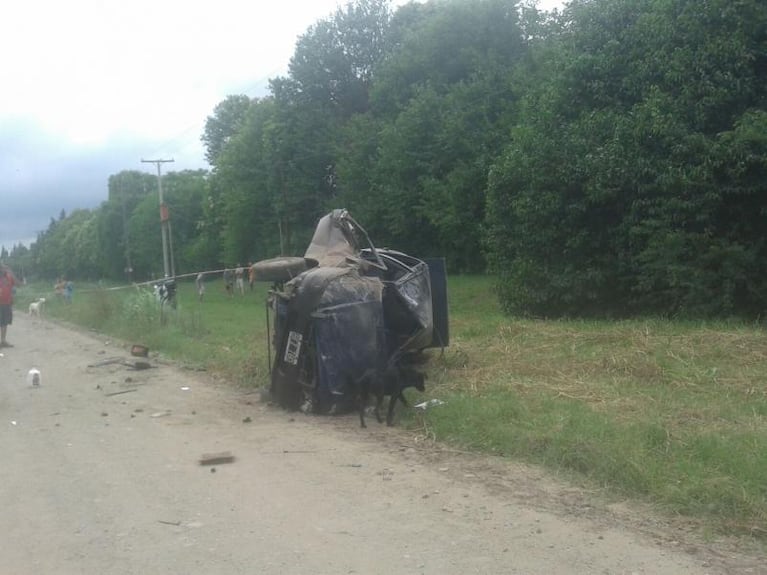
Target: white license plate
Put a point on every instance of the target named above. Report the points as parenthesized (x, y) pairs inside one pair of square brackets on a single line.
[(293, 349)]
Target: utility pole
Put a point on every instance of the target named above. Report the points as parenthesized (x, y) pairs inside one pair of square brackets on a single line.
[(126, 236), (164, 219)]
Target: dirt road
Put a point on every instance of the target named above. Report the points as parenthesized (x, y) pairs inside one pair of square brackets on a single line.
[(100, 474)]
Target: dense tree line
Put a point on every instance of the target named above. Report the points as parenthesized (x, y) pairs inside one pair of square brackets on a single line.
[(635, 177), (607, 159)]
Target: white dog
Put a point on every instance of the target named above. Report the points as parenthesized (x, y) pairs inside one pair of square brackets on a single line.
[(36, 307)]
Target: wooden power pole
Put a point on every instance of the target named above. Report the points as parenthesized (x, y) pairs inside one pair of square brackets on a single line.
[(164, 221)]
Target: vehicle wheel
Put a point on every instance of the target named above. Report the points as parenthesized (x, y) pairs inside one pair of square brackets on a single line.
[(281, 269)]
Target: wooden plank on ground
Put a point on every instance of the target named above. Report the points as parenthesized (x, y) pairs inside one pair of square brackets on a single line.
[(216, 458)]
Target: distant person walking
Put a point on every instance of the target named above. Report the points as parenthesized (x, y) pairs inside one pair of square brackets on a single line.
[(239, 275), (7, 289), (69, 289), (199, 282)]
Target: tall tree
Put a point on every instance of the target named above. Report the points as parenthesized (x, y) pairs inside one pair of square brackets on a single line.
[(245, 180), (227, 119), (334, 61), (442, 102)]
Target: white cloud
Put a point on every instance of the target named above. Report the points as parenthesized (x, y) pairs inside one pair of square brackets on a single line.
[(88, 70)]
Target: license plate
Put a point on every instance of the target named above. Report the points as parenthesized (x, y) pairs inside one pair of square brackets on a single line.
[(293, 349)]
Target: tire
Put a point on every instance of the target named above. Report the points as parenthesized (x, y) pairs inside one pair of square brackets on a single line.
[(281, 269)]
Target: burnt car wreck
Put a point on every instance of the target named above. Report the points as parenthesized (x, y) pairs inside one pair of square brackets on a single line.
[(347, 320)]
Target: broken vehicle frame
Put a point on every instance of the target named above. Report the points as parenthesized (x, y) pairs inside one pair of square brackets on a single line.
[(341, 311)]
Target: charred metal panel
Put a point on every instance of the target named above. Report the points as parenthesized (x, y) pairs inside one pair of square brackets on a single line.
[(439, 307)]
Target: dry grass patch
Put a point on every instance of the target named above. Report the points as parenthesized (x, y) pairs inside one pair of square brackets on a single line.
[(669, 411)]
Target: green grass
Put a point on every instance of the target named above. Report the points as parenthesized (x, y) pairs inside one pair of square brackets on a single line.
[(674, 413), (222, 334)]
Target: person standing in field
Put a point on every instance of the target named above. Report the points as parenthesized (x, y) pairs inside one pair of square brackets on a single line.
[(7, 289), (199, 283), (239, 275), (69, 289), (59, 287), (251, 275)]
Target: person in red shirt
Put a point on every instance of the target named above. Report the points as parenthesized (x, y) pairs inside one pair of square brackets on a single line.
[(7, 283)]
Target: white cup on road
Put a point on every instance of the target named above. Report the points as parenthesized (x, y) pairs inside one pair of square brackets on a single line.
[(33, 377)]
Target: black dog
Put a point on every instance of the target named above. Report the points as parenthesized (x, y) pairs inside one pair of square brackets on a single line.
[(392, 382)]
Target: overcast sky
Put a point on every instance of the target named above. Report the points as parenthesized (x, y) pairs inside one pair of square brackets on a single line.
[(90, 87)]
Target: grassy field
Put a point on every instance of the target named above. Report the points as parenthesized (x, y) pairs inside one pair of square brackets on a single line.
[(674, 413), (223, 334)]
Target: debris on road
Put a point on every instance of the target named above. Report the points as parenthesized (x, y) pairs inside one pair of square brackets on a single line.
[(33, 377), (216, 458), (137, 365), (108, 361), (120, 392), (426, 404), (139, 350)]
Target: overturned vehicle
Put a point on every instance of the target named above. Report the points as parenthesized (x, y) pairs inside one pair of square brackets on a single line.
[(347, 311)]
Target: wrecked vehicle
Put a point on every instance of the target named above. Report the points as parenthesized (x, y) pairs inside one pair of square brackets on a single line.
[(345, 310)]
